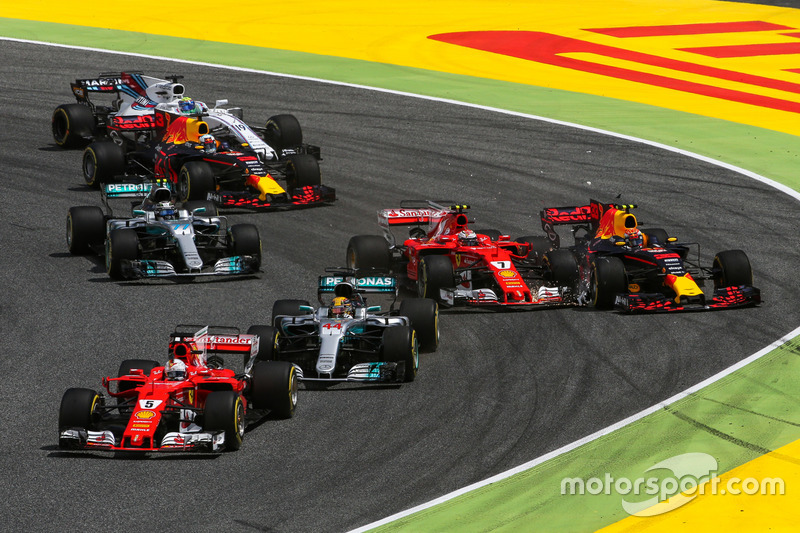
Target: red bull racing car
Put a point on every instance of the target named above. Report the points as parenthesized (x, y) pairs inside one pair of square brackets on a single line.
[(638, 271), (193, 403), (444, 259)]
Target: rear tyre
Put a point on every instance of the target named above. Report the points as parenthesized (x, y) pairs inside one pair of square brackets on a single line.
[(86, 227), (731, 269), (562, 267), (283, 131), (224, 411), (125, 367), (273, 386), (608, 278), (209, 206), (195, 181), (302, 170), (539, 247), (424, 316), (79, 409), (122, 245), (400, 345), (493, 234), (103, 161), (73, 125), (287, 308), (267, 341), (243, 239), (434, 272), (366, 252)]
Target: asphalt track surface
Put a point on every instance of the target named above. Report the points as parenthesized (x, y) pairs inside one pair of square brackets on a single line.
[(503, 388)]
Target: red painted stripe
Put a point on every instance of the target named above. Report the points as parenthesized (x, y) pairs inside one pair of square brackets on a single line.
[(746, 50), (690, 29), (552, 49)]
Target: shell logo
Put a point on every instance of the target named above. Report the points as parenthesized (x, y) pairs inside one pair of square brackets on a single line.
[(634, 287), (145, 415), (507, 274)]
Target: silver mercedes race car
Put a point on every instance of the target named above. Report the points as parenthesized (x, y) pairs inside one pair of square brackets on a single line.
[(347, 338), (161, 239)]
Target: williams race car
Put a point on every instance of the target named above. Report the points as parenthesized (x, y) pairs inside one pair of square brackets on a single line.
[(347, 338), (446, 260), (163, 240), (191, 404), (640, 271)]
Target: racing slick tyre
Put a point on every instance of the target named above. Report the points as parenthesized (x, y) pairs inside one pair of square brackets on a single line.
[(539, 247), (102, 162), (493, 234), (288, 308), (302, 170), (122, 245), (79, 409), (283, 131), (434, 272), (267, 341), (400, 345), (424, 316), (224, 411), (209, 206), (86, 227), (562, 267), (656, 236), (73, 125), (243, 239), (273, 386), (608, 278), (365, 252), (195, 180), (732, 268)]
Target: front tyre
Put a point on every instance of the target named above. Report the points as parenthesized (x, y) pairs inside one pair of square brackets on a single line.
[(79, 409), (103, 161), (608, 278), (86, 227), (224, 411), (424, 316), (243, 239), (302, 170), (273, 386), (122, 245), (732, 268), (400, 345), (267, 341), (435, 272), (283, 131)]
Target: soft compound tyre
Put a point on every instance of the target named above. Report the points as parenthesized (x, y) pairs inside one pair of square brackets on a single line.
[(224, 411), (433, 273), (209, 207), (72, 125), (731, 269), (288, 308), (561, 267), (79, 409), (424, 316), (103, 161), (400, 345), (539, 247), (273, 386), (302, 170), (267, 341), (493, 234), (86, 227), (366, 252), (243, 239), (195, 180), (608, 278), (283, 131), (656, 236), (122, 245)]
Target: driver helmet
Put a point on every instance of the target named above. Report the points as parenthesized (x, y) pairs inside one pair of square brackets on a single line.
[(165, 210), (186, 106), (209, 143), (634, 238), (341, 307), (467, 238), (175, 370)]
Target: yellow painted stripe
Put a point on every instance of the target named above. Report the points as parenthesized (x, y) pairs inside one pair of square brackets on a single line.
[(398, 33)]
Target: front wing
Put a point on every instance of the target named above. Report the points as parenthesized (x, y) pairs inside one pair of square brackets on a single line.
[(227, 266), (309, 196), (82, 439), (723, 298), (543, 297), (378, 372)]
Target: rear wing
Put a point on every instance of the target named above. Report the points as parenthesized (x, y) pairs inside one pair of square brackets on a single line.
[(103, 84), (579, 214), (127, 190), (377, 284), (190, 342)]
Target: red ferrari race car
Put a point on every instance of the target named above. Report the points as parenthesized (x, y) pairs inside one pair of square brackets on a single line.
[(192, 403), (444, 259), (640, 271)]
